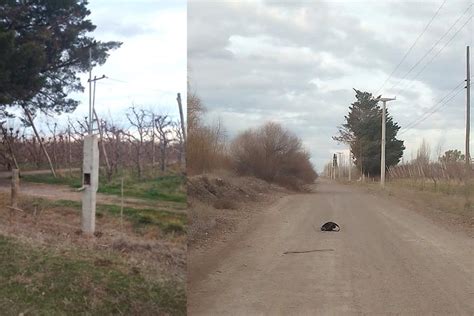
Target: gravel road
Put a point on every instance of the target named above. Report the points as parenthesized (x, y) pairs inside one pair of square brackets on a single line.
[(385, 260)]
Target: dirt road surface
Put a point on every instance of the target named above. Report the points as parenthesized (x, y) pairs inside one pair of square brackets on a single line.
[(8, 174), (62, 192), (385, 260)]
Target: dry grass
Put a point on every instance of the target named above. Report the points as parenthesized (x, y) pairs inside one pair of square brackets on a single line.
[(219, 202), (450, 197), (225, 204), (144, 250), (451, 207)]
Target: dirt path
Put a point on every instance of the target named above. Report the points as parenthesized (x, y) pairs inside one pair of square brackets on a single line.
[(8, 174), (62, 192), (385, 260)]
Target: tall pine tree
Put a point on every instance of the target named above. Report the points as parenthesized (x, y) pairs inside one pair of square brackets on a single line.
[(43, 45), (362, 131)]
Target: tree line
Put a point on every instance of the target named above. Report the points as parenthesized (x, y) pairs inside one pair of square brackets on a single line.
[(150, 141)]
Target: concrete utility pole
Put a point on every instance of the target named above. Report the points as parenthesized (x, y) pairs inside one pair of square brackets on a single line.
[(350, 166), (339, 165), (382, 156), (90, 165), (99, 127), (468, 109)]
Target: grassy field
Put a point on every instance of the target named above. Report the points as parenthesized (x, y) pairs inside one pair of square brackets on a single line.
[(48, 267), (448, 197), (168, 222), (164, 188), (442, 187), (42, 282)]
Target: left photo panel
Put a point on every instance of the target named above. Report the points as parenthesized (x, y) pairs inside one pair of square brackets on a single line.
[(92, 157)]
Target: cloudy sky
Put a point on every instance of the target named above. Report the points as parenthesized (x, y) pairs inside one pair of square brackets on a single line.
[(149, 69), (296, 62)]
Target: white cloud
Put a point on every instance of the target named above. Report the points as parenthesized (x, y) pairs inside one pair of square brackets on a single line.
[(150, 67), (297, 62)]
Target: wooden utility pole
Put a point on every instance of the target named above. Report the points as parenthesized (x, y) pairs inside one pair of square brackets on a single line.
[(183, 129), (182, 118), (468, 109)]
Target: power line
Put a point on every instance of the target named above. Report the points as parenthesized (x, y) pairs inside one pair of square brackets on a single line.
[(432, 110), (117, 80), (434, 45), (436, 55), (142, 88), (411, 47)]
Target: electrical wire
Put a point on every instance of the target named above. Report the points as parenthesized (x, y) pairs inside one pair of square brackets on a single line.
[(143, 88), (436, 55), (434, 45), (411, 47), (431, 111), (435, 107)]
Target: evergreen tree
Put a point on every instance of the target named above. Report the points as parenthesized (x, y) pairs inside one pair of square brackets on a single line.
[(43, 45), (362, 131)]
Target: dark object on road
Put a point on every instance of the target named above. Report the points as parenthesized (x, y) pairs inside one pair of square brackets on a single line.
[(306, 251), (330, 227)]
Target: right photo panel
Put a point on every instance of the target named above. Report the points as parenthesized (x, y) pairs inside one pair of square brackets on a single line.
[(328, 158)]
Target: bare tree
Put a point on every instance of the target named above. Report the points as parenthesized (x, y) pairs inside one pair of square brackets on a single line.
[(162, 124), (8, 139), (30, 120), (138, 119), (178, 132)]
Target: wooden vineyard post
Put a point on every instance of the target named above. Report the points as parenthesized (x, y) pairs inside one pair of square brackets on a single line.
[(15, 188), (121, 205)]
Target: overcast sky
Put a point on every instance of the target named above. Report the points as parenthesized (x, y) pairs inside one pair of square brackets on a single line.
[(151, 63), (149, 69), (296, 62)]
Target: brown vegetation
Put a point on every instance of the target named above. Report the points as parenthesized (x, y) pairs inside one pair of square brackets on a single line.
[(448, 172), (220, 202), (273, 154), (206, 148), (134, 146), (270, 152)]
